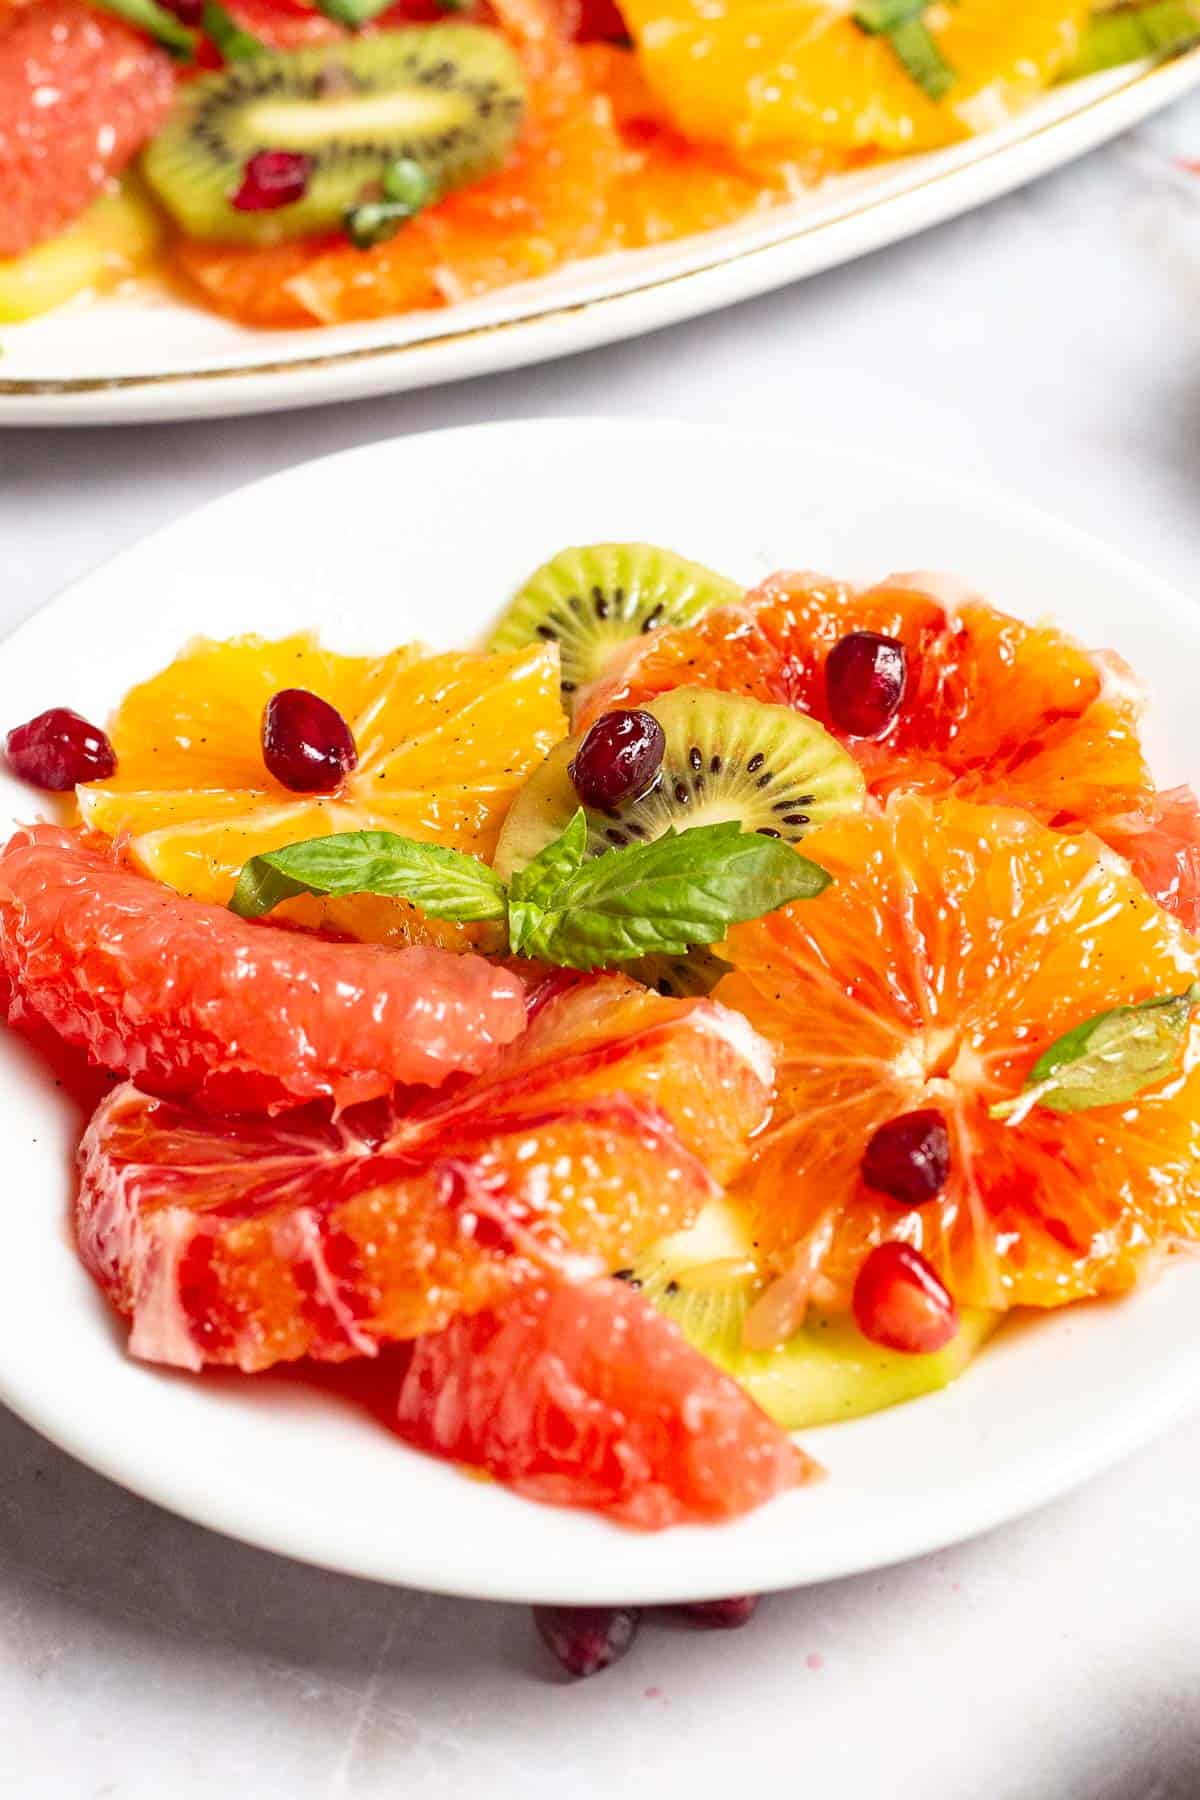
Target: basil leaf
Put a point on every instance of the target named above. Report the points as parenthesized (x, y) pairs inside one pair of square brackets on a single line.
[(1108, 1059), (661, 898), (149, 17), (442, 882)]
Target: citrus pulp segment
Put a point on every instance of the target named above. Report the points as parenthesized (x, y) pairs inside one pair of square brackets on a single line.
[(954, 944), (253, 1241)]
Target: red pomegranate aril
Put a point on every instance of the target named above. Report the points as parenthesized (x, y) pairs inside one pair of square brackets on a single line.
[(306, 743), (586, 1639), (720, 1615), (272, 178), (901, 1303), (865, 677), (58, 749), (908, 1159), (619, 759)]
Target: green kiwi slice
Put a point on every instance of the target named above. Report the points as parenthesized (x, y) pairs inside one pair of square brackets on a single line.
[(446, 97), (592, 599), (706, 1280), (727, 757)]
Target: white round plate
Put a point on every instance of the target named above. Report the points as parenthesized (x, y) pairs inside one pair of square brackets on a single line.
[(146, 355), (425, 537)]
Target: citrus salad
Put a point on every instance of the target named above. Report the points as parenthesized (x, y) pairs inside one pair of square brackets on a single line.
[(699, 1015), (307, 162)]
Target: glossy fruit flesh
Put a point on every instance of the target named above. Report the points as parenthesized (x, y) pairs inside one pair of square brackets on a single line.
[(865, 676), (584, 1396), (59, 748), (307, 745), (80, 93), (900, 1303), (619, 758), (994, 709), (254, 1241), (707, 1280), (908, 1158), (720, 1615), (965, 941), (444, 742), (272, 178), (190, 1000), (115, 238), (1162, 844), (587, 1639)]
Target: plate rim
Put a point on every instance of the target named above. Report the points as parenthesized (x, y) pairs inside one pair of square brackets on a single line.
[(1007, 1497), (736, 273)]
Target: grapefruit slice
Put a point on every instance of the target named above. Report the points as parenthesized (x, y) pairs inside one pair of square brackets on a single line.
[(80, 93), (776, 74), (252, 1241), (585, 1396), (993, 709), (954, 944), (444, 742), (1162, 844), (191, 1000)]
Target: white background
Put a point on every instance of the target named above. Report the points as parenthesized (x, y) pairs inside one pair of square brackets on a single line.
[(1049, 345)]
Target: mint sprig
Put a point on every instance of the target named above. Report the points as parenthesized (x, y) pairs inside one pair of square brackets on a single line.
[(661, 898), (1107, 1060), (902, 23)]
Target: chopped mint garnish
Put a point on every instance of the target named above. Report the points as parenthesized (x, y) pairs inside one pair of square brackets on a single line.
[(407, 188), (1108, 1059), (1127, 33), (160, 24), (235, 44), (902, 23), (352, 13), (661, 898)]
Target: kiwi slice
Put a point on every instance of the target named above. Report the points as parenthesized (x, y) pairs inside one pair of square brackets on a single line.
[(592, 599), (446, 97), (727, 757), (706, 1280)]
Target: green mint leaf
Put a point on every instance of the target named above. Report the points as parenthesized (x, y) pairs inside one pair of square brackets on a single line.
[(234, 43), (661, 898), (442, 882), (352, 13), (1124, 34), (1108, 1059), (148, 16), (902, 22), (532, 887)]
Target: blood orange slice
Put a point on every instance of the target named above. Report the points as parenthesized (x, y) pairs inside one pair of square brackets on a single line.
[(80, 93), (249, 1242), (585, 1396), (191, 1000), (955, 943), (1163, 847), (993, 709)]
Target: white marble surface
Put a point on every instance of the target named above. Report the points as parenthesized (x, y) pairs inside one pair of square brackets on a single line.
[(1050, 344)]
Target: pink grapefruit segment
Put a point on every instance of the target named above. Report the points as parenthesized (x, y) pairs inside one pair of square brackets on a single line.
[(585, 1396), (190, 1000), (254, 1241)]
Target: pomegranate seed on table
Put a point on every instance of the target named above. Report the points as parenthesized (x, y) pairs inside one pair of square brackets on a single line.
[(58, 749), (306, 743), (901, 1303), (865, 677), (908, 1159), (272, 178), (619, 758), (586, 1639), (720, 1615)]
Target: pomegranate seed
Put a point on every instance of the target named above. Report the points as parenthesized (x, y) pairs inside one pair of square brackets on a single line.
[(720, 1615), (899, 1302), (618, 759), (908, 1159), (59, 748), (272, 178), (306, 743), (586, 1639), (865, 676)]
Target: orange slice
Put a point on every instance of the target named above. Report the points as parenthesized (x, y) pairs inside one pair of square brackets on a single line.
[(955, 943), (444, 742), (777, 74)]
